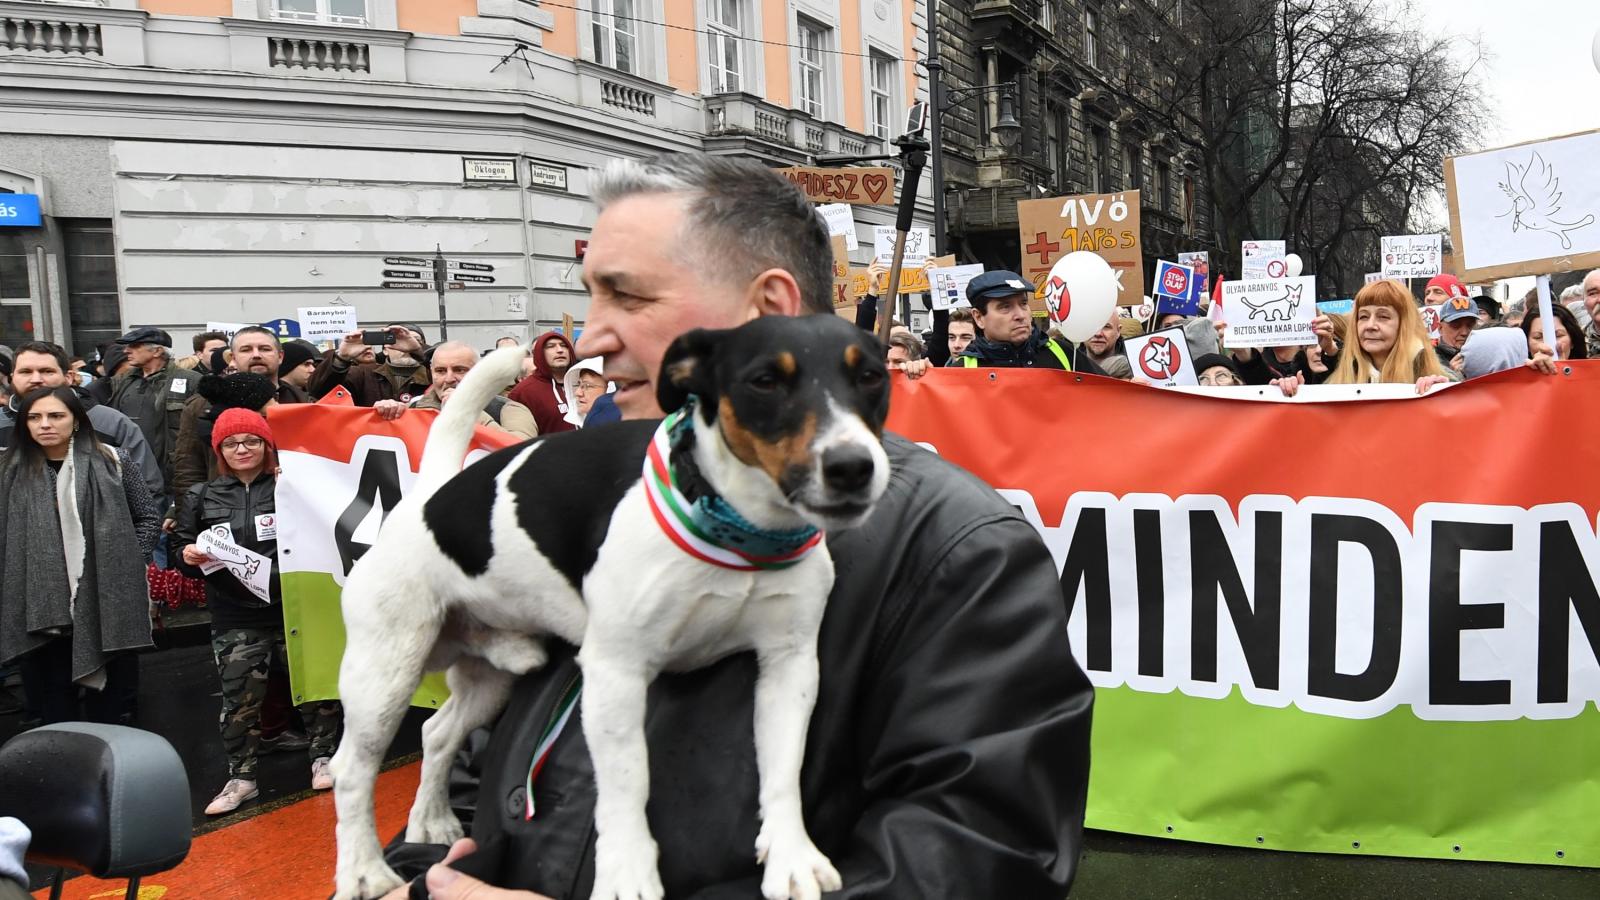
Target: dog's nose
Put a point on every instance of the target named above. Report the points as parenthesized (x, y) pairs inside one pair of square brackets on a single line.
[(847, 469)]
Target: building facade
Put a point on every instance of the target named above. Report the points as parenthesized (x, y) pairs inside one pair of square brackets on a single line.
[(1089, 88), (233, 161)]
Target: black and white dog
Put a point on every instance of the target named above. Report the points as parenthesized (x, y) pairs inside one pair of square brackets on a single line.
[(654, 547)]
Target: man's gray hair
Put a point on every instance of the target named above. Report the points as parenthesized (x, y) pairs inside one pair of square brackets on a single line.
[(453, 345), (746, 217)]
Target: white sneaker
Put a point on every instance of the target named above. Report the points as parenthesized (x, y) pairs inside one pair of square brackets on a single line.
[(321, 778), (235, 792)]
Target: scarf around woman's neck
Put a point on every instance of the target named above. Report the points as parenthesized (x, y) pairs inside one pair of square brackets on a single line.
[(70, 565)]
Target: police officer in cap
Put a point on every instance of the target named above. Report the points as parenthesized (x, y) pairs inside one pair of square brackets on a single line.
[(1007, 336)]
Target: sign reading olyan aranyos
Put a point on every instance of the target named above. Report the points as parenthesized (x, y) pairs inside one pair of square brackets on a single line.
[(1307, 642)]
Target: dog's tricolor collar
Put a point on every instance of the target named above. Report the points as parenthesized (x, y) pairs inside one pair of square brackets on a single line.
[(708, 528)]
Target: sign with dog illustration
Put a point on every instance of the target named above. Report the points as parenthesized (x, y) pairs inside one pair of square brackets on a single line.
[(1270, 312), (1359, 660), (1104, 224), (1528, 209), (1161, 358)]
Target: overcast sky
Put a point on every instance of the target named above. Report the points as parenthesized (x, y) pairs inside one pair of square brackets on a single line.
[(1541, 76)]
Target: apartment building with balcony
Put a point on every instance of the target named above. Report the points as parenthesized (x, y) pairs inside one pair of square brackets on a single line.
[(234, 160), (1090, 86)]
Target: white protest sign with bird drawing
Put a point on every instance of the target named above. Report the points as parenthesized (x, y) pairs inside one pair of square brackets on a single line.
[(1526, 210)]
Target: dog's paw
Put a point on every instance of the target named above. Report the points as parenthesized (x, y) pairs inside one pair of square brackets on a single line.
[(627, 875), (795, 869), (438, 828), (365, 882)]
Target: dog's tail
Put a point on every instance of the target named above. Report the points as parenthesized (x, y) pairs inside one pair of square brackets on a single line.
[(451, 433)]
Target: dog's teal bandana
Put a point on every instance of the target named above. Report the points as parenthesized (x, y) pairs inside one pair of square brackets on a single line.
[(708, 527)]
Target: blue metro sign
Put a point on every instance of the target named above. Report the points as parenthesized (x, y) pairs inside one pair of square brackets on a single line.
[(18, 210)]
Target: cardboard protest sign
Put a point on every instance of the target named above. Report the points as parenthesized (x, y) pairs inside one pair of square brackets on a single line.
[(1175, 289), (252, 569), (919, 243), (1412, 255), (843, 302), (1262, 259), (1528, 209), (1105, 224), (326, 323), (1200, 261), (862, 185), (950, 285), (1430, 318), (841, 220), (1271, 312), (1162, 357)]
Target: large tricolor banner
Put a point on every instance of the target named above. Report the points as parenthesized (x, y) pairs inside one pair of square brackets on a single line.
[(1357, 627), (344, 469)]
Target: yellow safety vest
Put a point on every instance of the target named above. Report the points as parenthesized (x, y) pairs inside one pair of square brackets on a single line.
[(971, 362)]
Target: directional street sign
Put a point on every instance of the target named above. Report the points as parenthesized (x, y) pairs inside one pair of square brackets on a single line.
[(401, 273), (408, 285), (482, 279), (408, 261), (456, 286), (470, 267)]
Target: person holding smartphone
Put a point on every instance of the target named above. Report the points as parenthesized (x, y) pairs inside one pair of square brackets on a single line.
[(400, 375)]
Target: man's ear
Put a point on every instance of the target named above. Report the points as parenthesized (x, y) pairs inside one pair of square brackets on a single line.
[(686, 369)]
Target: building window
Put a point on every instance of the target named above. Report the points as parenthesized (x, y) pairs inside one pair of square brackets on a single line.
[(616, 35), (1055, 144), (1047, 15), (1133, 166), (1100, 166), (1164, 185), (325, 12), (725, 27), (813, 45), (1091, 36), (91, 282), (882, 106)]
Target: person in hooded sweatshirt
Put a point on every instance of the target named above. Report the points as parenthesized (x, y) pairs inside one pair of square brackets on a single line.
[(544, 392), (1007, 336)]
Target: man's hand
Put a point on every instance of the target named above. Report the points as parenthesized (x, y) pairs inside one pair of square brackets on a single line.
[(914, 368), (1458, 363), (350, 346), (875, 273), (389, 410), (194, 556), (445, 883), (169, 525), (1322, 326), (404, 340)]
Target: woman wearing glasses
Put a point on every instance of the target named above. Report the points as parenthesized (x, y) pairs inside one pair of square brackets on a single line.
[(584, 385), (246, 620)]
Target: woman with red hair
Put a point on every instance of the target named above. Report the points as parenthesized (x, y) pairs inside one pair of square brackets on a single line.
[(1387, 342)]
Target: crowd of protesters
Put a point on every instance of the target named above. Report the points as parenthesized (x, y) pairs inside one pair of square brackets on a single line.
[(134, 454), (112, 469)]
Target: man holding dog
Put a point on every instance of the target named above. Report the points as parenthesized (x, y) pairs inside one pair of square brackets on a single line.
[(948, 750)]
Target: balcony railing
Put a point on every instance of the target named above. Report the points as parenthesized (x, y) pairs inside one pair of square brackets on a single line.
[(332, 56), (49, 36), (632, 99)]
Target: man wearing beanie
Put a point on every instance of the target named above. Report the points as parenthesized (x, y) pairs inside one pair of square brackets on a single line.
[(299, 361), (247, 638), (400, 376)]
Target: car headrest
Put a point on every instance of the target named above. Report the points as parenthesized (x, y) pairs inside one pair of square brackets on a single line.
[(105, 799)]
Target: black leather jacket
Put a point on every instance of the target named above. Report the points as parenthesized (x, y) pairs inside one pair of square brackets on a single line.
[(948, 756), (226, 500)]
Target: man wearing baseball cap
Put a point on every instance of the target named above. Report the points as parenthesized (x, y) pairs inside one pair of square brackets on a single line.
[(1458, 315), (152, 391), (1007, 336)]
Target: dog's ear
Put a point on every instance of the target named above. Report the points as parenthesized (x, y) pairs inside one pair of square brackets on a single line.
[(686, 369)]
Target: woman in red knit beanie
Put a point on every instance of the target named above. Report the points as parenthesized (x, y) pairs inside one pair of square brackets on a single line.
[(246, 623)]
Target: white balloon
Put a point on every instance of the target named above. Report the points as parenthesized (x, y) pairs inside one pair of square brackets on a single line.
[(1080, 294), (1294, 265), (1597, 50)]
